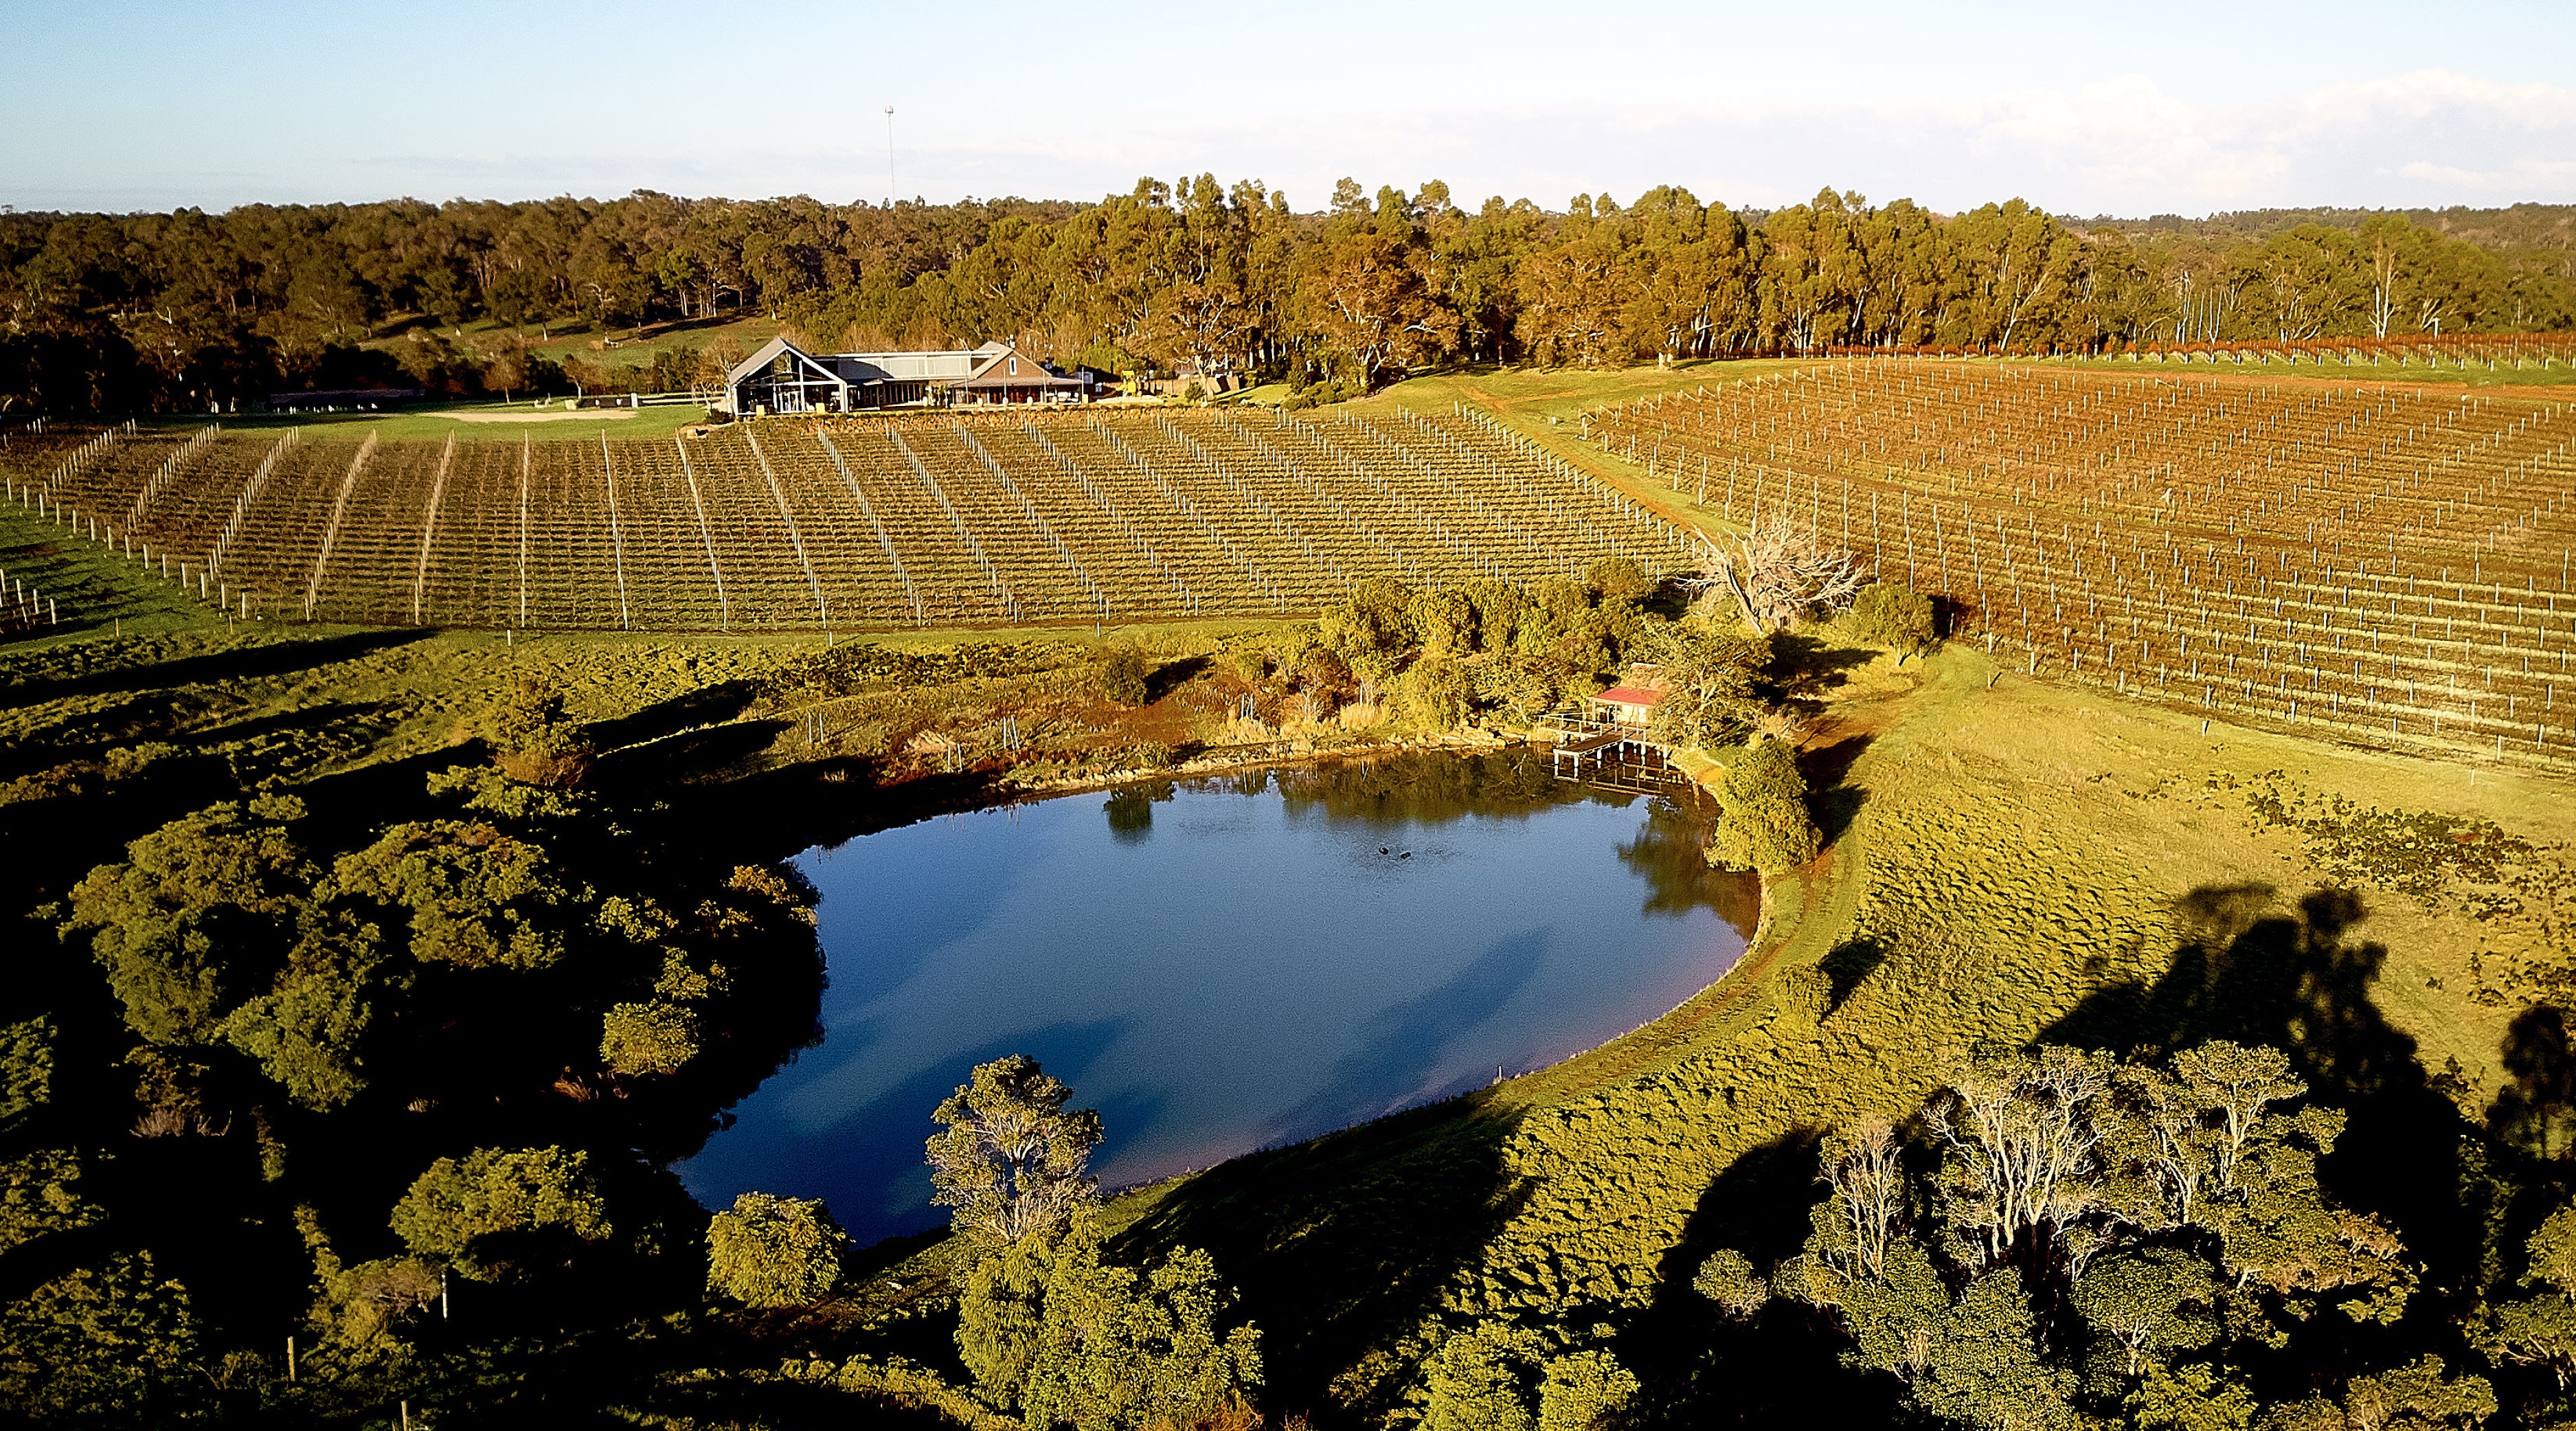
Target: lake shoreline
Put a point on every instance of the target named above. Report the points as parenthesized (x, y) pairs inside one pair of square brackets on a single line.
[(1326, 941)]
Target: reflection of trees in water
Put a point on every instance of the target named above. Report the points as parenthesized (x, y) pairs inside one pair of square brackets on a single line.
[(1435, 787), (1131, 810), (1431, 788), (1668, 853)]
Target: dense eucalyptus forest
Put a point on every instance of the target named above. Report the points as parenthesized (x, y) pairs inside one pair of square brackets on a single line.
[(189, 310)]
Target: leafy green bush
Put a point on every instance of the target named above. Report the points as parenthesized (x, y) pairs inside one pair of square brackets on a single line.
[(193, 904), (1763, 822), (466, 893), (1487, 1378), (1445, 619), (1372, 629), (465, 1212), (52, 1340), (1123, 676), (1051, 1330), (651, 1037), (1887, 614), (767, 1251), (532, 738), (1728, 1278), (1584, 1391), (1618, 579), (1435, 695), (1482, 1379)]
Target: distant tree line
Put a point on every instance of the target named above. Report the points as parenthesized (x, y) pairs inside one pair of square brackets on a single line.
[(190, 310)]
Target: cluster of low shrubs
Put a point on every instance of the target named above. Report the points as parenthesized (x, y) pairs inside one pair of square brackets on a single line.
[(1437, 658)]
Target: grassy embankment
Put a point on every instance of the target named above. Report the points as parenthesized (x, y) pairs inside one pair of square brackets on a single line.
[(578, 338)]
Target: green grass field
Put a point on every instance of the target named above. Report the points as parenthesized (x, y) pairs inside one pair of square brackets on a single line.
[(467, 422), (577, 338), (624, 346)]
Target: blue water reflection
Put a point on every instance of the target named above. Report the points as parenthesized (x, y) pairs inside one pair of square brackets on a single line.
[(1223, 964)]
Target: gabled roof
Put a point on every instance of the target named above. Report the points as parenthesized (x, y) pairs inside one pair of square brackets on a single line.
[(993, 371), (985, 366), (768, 352), (1629, 696)]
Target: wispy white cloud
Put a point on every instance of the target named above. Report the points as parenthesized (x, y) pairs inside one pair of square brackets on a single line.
[(2158, 139)]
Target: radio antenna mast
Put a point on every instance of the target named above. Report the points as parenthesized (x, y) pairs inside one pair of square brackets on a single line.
[(889, 156)]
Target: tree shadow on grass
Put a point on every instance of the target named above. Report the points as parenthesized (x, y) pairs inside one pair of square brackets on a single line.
[(1340, 1244), (1172, 675), (1777, 1369), (1802, 665), (710, 705), (1834, 803), (2534, 1111), (1846, 965), (215, 667), (2253, 969)]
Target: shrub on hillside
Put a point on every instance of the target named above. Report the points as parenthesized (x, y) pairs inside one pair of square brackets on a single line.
[(1124, 677), (767, 1251), (1763, 822), (488, 1213), (532, 739), (1051, 1330), (1894, 616), (1728, 1278)]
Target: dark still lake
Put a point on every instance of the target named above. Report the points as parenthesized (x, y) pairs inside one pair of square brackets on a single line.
[(1223, 964)]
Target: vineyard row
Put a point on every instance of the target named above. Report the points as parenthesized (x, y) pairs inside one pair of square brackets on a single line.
[(2388, 563), (839, 525)]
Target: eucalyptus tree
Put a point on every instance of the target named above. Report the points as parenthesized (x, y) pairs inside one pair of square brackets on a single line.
[(1014, 1161), (2059, 1236)]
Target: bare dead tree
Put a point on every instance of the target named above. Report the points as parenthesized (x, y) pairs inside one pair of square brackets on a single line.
[(1780, 572)]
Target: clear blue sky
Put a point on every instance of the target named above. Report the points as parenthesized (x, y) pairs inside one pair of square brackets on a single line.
[(2181, 108)]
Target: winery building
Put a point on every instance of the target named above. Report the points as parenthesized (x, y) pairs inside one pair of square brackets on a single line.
[(784, 379)]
